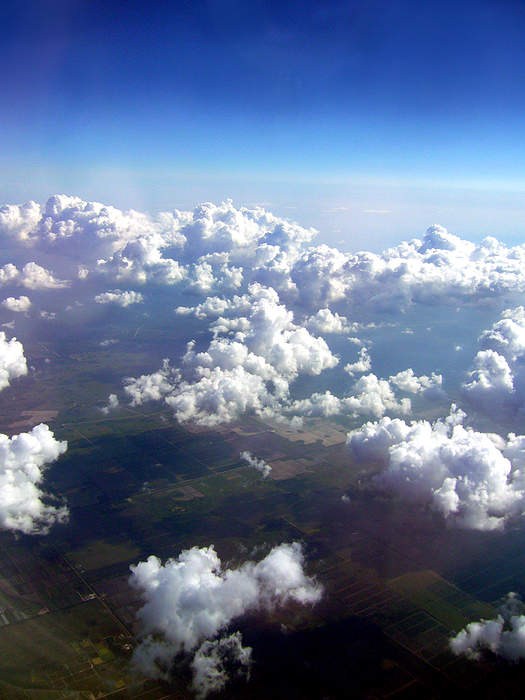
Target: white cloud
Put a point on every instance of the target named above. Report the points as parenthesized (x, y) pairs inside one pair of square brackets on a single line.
[(497, 378), (503, 636), (256, 463), (19, 222), (120, 298), (193, 598), (12, 360), (31, 276), (150, 387), (408, 382), (213, 660), (326, 321), (370, 396), (17, 305), (361, 365), (23, 505), (475, 480), (249, 372), (112, 404)]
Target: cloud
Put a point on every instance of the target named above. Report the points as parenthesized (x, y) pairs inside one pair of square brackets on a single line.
[(325, 321), (24, 506), (361, 365), (21, 304), (256, 463), (497, 378), (113, 403), (430, 387), (213, 661), (120, 298), (12, 360), (249, 370), (150, 387), (31, 276), (193, 599), (475, 480), (503, 636), (370, 396)]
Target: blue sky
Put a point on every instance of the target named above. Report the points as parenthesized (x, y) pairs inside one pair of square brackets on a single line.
[(366, 119)]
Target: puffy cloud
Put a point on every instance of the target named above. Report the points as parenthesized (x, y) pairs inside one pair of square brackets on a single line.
[(361, 365), (23, 457), (12, 360), (32, 276), (19, 222), (371, 396), (474, 479), (112, 404), (193, 598), (256, 463), (497, 377), (250, 372), (428, 386), (326, 321), (503, 636), (213, 660), (120, 298), (223, 247), (150, 387), (19, 304)]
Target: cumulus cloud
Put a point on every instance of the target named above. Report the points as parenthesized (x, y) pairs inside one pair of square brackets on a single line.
[(250, 370), (213, 662), (503, 636), (17, 305), (361, 365), (24, 507), (12, 360), (120, 298), (222, 247), (31, 276), (326, 321), (407, 381), (497, 378), (193, 599), (256, 463), (150, 387), (112, 404), (370, 396), (475, 480)]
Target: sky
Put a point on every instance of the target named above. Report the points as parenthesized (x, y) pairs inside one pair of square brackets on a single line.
[(369, 120)]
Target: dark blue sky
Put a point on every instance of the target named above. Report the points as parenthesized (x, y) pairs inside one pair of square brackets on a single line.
[(140, 96)]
